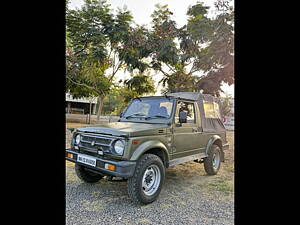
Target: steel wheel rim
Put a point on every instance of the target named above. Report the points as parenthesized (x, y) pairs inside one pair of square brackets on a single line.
[(151, 180), (216, 160)]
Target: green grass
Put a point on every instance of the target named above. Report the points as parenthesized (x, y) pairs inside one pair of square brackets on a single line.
[(222, 184)]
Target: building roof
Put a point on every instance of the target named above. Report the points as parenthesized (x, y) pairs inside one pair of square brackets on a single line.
[(69, 98)]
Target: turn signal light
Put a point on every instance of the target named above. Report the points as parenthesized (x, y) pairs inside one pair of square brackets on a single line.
[(70, 155), (110, 167), (135, 142)]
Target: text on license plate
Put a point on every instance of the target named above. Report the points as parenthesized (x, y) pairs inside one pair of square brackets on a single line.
[(86, 160)]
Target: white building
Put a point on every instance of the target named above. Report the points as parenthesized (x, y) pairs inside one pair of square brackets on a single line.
[(80, 105)]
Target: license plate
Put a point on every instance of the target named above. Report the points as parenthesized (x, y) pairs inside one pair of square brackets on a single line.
[(88, 160)]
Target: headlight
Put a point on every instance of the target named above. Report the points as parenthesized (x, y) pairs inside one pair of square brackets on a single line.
[(77, 139), (119, 147)]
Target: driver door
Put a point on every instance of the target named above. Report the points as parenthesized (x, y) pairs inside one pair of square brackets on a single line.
[(185, 135)]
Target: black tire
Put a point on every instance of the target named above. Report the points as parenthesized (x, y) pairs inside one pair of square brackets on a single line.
[(87, 176), (135, 188), (209, 166)]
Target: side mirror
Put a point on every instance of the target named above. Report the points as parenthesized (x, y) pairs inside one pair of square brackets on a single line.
[(71, 129), (182, 117)]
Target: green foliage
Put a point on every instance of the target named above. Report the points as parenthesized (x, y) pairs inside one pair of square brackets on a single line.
[(98, 40), (135, 49), (113, 103), (140, 84), (197, 56), (87, 55), (220, 51), (225, 107)]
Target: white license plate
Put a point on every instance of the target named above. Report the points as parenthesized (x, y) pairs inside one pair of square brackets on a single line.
[(88, 160)]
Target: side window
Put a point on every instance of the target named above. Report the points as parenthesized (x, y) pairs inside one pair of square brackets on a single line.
[(188, 108), (211, 110)]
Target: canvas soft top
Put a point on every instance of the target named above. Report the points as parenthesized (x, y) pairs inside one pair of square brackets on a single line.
[(208, 124), (193, 96)]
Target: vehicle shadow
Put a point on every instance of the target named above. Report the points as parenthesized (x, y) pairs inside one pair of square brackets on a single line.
[(179, 180)]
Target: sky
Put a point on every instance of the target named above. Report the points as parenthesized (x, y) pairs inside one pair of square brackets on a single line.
[(141, 11)]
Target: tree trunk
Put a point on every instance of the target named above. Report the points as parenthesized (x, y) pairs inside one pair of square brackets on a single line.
[(100, 105), (90, 112)]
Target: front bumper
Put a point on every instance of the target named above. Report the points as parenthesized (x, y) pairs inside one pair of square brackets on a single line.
[(123, 168)]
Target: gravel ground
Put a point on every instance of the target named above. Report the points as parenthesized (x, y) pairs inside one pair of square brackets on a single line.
[(188, 196)]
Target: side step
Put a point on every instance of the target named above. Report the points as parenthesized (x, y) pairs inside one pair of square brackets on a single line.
[(187, 159)]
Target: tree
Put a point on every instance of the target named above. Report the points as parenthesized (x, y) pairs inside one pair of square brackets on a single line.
[(197, 56), (113, 104), (220, 51), (138, 85), (225, 107), (96, 45)]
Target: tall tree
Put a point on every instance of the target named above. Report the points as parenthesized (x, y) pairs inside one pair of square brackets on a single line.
[(197, 56), (96, 38), (220, 52), (138, 85)]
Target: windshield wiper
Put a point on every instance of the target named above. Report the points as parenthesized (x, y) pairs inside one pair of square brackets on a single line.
[(156, 116), (135, 114)]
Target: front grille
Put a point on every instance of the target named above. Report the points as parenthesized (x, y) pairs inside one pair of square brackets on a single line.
[(99, 143), (95, 147), (97, 139)]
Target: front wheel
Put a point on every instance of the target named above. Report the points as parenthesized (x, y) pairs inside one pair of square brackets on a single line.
[(146, 183), (212, 162)]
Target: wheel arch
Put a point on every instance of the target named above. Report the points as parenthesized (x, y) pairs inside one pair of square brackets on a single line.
[(152, 147), (215, 140)]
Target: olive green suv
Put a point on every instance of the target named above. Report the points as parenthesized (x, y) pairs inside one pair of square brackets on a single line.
[(152, 134)]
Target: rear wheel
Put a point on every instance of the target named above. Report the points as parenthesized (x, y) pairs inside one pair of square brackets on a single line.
[(146, 183), (87, 176), (212, 162)]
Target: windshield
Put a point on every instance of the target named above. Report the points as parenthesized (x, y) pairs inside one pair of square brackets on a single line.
[(149, 108)]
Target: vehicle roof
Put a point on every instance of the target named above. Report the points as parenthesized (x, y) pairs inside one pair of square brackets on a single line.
[(186, 95), (193, 96)]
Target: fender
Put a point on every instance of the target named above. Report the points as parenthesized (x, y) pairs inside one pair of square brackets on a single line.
[(211, 141), (147, 146)]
